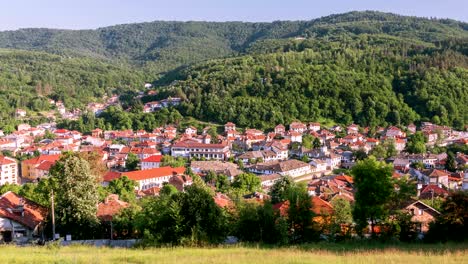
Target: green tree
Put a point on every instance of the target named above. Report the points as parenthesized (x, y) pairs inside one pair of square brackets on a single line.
[(168, 190), (124, 223), (389, 145), (279, 190), (416, 143), (451, 224), (374, 188), (300, 215), (168, 160), (132, 161), (9, 188), (451, 163), (379, 152), (247, 182), (316, 143), (124, 187), (360, 154), (307, 141), (188, 218), (76, 196), (257, 223), (342, 215)]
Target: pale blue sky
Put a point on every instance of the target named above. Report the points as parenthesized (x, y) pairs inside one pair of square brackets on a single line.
[(83, 14)]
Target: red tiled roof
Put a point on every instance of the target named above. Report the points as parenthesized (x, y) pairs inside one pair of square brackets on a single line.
[(154, 158), (110, 207), (42, 158), (345, 178), (46, 165), (5, 160), (154, 191), (61, 131), (192, 144), (33, 213), (436, 189), (222, 200), (438, 173), (320, 206), (153, 173), (111, 175)]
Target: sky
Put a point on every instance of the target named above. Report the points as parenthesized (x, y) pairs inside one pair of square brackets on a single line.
[(90, 14)]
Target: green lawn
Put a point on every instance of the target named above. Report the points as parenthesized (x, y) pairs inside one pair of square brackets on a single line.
[(322, 253)]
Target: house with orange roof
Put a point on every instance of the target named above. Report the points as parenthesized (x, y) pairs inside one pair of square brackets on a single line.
[(229, 126), (110, 207), (280, 129), (20, 219), (314, 126), (151, 162), (297, 127), (180, 182), (153, 177), (436, 177), (28, 167), (43, 169)]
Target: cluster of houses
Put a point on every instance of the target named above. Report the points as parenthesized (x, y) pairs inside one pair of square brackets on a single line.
[(270, 155)]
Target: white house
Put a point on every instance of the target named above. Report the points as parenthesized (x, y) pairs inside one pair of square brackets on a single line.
[(190, 148), (153, 177), (292, 168), (8, 171), (151, 162)]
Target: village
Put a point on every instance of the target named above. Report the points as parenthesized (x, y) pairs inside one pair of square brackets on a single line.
[(306, 152)]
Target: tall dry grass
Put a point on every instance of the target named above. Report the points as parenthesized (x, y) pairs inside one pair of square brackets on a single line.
[(228, 255)]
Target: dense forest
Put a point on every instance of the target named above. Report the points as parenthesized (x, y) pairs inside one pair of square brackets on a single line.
[(29, 79), (165, 45), (369, 67), (369, 79)]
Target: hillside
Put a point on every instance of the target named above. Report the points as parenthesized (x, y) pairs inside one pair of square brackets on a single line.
[(28, 79), (163, 46), (369, 79), (369, 67)]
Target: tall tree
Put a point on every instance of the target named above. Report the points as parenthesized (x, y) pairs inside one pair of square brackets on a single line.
[(124, 187), (451, 163), (76, 196), (342, 215), (452, 223), (373, 191), (300, 214), (279, 190)]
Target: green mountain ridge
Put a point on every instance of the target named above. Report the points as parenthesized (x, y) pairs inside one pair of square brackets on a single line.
[(167, 45), (369, 67), (369, 79)]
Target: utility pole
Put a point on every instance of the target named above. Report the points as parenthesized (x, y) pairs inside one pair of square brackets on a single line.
[(53, 216), (432, 199)]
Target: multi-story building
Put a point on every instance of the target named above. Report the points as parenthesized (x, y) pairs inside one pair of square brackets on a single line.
[(8, 171), (153, 177), (190, 149)]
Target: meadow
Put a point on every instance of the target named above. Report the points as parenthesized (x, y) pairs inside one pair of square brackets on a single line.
[(315, 253)]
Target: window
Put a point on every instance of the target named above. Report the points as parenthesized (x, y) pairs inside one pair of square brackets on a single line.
[(421, 211), (412, 211)]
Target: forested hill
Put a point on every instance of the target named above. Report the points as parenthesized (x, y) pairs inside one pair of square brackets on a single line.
[(371, 68), (29, 79), (164, 46), (369, 79)]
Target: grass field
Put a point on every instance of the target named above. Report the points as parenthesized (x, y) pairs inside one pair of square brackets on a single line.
[(321, 253)]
